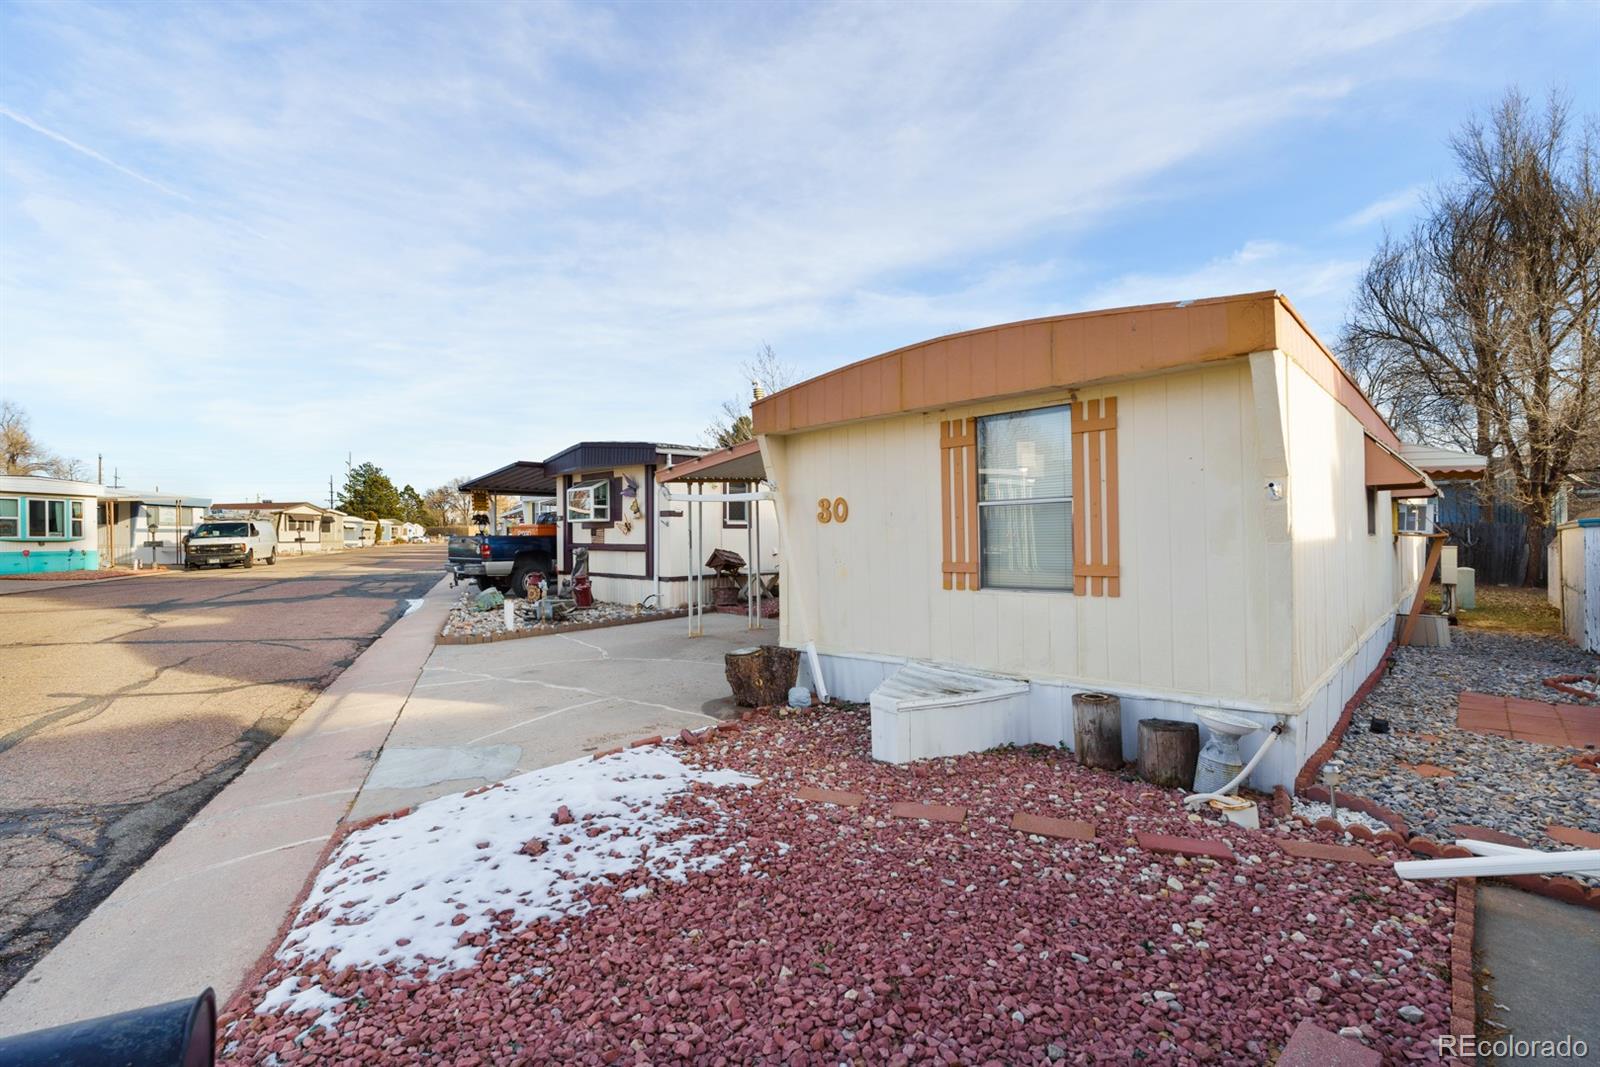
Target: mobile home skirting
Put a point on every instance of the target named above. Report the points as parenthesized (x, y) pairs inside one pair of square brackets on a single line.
[(853, 677)]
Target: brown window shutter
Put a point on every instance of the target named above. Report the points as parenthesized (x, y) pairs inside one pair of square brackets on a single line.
[(1096, 566), (958, 498)]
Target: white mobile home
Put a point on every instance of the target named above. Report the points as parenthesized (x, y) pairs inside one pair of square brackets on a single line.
[(47, 525), (146, 528), (1186, 505), (302, 527), (610, 500)]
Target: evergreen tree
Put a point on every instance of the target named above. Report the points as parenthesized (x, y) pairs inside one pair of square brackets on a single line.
[(370, 494), (412, 509)]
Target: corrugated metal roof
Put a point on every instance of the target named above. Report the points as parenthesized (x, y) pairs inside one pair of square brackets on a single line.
[(608, 455), (522, 478)]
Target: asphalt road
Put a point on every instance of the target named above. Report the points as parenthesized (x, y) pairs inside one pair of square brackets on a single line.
[(126, 705)]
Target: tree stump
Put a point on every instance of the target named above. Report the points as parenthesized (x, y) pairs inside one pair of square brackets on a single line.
[(1097, 730), (1168, 749), (762, 676)]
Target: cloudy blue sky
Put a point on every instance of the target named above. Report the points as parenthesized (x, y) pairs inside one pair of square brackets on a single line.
[(240, 241)]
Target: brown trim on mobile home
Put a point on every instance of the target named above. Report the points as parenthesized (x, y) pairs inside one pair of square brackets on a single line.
[(1063, 351)]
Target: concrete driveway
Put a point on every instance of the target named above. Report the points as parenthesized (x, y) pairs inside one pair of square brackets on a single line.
[(482, 713)]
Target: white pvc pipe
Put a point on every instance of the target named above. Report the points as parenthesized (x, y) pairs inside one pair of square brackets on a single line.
[(816, 671), (1529, 862), (1491, 848), (1203, 798)]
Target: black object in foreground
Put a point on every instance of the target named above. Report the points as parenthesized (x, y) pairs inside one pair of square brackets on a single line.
[(182, 1033), (1378, 726)]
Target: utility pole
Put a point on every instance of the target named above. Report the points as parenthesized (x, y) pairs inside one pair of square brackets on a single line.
[(330, 493), (100, 467)]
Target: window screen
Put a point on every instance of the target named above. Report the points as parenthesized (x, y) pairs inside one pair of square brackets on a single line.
[(10, 517), (1025, 499)]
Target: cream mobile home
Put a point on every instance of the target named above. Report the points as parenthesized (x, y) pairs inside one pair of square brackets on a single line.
[(1188, 505)]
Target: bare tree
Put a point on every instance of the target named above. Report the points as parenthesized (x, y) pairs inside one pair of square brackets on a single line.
[(1479, 327), (22, 452), (767, 374), (454, 506)]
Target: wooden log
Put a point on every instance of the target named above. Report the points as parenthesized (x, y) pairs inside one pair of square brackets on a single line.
[(762, 676), (1168, 750), (1097, 730)]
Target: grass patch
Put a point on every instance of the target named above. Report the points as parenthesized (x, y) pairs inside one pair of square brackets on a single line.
[(1505, 609)]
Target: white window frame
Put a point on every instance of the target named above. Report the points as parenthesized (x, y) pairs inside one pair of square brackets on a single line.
[(743, 521), (1421, 525), (15, 519), (597, 511), (984, 505)]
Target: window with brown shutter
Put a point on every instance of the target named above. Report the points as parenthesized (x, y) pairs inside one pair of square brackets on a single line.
[(1096, 567)]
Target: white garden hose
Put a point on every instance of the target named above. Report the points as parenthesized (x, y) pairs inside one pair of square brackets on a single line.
[(1196, 799)]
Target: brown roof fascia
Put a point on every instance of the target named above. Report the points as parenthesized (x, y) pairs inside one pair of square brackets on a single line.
[(704, 468), (1063, 351)]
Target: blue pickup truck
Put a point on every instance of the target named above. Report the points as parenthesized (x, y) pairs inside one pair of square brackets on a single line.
[(509, 562)]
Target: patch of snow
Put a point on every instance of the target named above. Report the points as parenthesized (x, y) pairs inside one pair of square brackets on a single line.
[(437, 875), (283, 997), (411, 605), (1312, 810)]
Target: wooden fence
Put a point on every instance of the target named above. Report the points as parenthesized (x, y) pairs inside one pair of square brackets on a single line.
[(1496, 551)]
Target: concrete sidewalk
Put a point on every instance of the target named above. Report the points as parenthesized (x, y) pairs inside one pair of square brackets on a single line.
[(482, 713), (204, 908)]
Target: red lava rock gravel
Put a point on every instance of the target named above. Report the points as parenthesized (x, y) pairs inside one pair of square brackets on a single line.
[(842, 935)]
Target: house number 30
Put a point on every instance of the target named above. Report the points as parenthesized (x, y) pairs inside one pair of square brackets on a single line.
[(835, 510)]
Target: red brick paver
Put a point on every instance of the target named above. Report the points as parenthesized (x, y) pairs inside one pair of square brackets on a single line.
[(1045, 826), (1484, 833), (1569, 835), (931, 812), (1185, 846), (1316, 850), (828, 796), (1312, 1046), (1529, 720)]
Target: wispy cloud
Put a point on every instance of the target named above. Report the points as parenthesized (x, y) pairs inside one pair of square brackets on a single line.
[(1317, 284), (1386, 207), (85, 150), (413, 213)]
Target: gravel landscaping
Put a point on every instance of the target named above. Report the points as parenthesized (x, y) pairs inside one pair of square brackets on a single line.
[(464, 622), (683, 903), (1516, 787)]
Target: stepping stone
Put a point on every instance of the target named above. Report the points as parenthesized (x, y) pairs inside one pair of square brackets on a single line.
[(1569, 835), (1312, 1046), (828, 796), (1315, 850), (1045, 826), (1185, 846), (931, 812)]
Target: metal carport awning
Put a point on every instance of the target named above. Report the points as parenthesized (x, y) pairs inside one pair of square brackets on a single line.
[(522, 478), (739, 463)]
